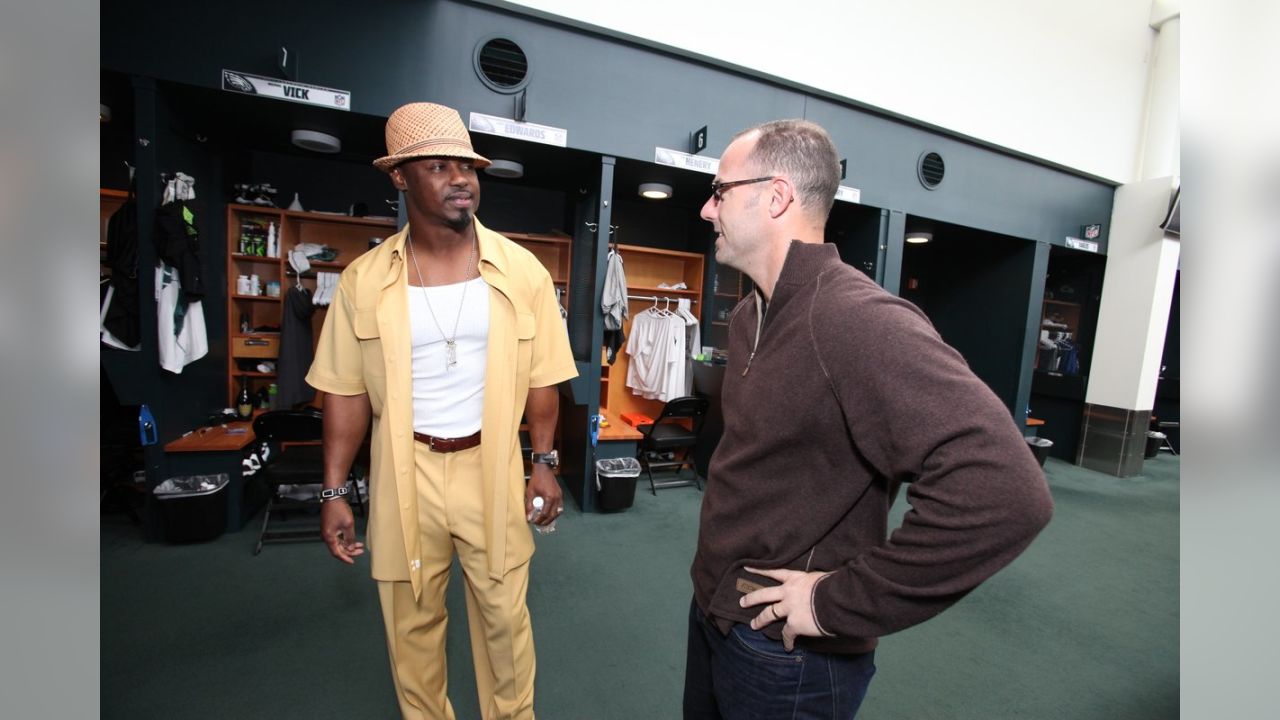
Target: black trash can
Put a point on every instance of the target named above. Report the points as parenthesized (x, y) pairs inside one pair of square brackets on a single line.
[(616, 483), (193, 508), (1155, 441), (1040, 448)]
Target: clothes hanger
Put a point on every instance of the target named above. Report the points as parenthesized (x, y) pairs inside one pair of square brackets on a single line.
[(683, 307)]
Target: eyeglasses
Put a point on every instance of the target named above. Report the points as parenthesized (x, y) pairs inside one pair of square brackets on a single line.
[(718, 188)]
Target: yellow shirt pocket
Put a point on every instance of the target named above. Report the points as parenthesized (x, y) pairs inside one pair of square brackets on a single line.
[(365, 326), (526, 329), (526, 326)]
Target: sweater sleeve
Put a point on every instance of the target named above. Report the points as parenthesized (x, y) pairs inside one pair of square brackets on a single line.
[(919, 415)]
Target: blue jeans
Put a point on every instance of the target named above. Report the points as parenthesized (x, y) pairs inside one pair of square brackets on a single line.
[(747, 675)]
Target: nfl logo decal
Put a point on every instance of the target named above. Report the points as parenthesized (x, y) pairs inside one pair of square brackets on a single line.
[(1091, 232)]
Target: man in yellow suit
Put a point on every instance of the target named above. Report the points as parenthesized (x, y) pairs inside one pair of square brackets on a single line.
[(445, 335)]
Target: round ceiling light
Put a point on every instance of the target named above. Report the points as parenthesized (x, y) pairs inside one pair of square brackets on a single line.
[(919, 238), (316, 141), (655, 191), (505, 168)]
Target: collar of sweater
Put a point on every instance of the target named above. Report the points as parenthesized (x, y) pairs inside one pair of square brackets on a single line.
[(805, 261)]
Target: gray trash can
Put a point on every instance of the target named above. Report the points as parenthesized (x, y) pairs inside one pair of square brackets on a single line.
[(616, 483), (1040, 448), (193, 508), (1155, 441)]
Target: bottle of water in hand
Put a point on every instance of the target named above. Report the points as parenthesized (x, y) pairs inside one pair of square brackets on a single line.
[(539, 505)]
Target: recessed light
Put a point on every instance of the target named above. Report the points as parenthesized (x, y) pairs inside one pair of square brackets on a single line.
[(316, 141), (505, 168), (919, 238), (655, 191)]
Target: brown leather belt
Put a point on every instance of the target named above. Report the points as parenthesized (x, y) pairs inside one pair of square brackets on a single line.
[(448, 445)]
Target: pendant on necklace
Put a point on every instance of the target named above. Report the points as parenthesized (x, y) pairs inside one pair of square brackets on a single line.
[(450, 353)]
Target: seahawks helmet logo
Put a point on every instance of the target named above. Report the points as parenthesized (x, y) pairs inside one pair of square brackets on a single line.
[(239, 83)]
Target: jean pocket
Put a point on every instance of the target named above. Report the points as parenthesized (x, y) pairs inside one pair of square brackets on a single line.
[(763, 647)]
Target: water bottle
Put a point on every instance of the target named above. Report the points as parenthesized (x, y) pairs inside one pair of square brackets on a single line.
[(538, 505), (146, 426)]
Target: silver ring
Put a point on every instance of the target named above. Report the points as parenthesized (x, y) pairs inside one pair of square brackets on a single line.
[(774, 612)]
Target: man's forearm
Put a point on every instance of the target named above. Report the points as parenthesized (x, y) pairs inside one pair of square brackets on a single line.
[(346, 420), (541, 412)]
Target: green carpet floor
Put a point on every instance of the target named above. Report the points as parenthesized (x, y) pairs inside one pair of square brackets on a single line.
[(1084, 625)]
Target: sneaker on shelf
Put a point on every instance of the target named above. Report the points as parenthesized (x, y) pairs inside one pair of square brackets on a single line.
[(263, 193)]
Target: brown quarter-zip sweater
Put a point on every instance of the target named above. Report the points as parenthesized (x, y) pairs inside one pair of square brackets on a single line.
[(851, 388)]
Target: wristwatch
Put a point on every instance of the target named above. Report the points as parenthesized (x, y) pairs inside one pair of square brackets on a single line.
[(551, 458), (338, 493)]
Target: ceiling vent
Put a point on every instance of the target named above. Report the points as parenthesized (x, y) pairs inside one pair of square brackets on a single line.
[(502, 65), (930, 169)]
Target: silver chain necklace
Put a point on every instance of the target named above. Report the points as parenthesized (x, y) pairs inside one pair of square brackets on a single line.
[(450, 343)]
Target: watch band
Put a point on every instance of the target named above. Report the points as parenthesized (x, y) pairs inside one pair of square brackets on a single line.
[(338, 493), (550, 457)]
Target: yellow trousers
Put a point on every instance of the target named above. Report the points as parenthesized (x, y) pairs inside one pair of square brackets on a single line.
[(451, 518)]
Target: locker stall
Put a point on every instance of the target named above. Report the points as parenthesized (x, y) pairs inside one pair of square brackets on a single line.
[(975, 286), (667, 253), (1064, 346)]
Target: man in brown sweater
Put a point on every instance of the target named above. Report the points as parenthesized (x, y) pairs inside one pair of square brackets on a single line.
[(836, 391)]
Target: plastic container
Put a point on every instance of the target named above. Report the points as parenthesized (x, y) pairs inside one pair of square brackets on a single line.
[(1040, 448), (616, 483), (193, 508), (1155, 441)]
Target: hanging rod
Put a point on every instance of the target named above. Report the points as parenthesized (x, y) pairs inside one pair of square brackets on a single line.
[(657, 298)]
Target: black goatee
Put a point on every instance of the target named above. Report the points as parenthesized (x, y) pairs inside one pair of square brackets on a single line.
[(460, 223)]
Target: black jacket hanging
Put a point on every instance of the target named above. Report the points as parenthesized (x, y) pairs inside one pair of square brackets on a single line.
[(178, 244), (295, 349), (123, 316)]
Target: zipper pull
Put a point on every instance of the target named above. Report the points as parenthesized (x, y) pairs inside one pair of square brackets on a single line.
[(750, 357)]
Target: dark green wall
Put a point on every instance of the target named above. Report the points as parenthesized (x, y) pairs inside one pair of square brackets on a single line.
[(613, 96), (371, 48), (982, 189)]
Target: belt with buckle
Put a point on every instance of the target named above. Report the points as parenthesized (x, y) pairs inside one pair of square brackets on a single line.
[(448, 445)]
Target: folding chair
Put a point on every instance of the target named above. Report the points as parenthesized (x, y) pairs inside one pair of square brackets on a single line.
[(297, 459), (674, 431)]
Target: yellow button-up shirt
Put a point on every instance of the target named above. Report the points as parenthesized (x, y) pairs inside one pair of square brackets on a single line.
[(365, 347)]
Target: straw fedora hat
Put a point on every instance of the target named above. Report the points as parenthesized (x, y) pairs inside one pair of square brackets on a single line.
[(426, 130)]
